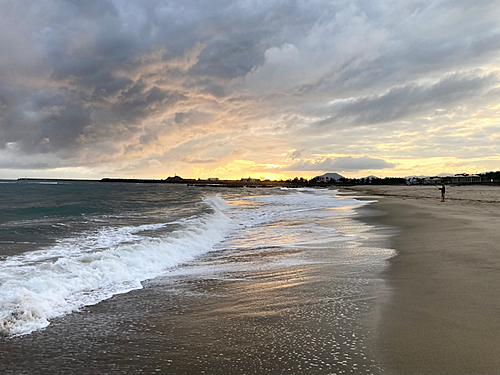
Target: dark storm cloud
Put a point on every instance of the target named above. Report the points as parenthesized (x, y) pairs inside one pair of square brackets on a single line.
[(227, 58), (138, 102), (89, 8), (46, 121), (125, 29), (105, 84), (9, 97), (86, 43), (43, 122), (342, 164)]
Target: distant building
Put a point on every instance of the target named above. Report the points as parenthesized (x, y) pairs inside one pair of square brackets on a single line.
[(425, 180), (432, 180), (250, 179), (464, 178), (213, 179), (328, 177)]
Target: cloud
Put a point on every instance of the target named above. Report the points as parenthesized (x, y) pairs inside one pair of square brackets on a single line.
[(414, 99), (342, 164), (106, 84), (10, 159), (200, 161), (44, 122), (296, 154)]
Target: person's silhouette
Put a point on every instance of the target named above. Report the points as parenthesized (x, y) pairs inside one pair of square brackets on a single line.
[(443, 189)]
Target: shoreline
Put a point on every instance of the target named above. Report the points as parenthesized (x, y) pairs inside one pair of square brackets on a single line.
[(442, 315)]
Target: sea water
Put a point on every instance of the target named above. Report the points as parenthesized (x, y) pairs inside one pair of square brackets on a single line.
[(66, 245)]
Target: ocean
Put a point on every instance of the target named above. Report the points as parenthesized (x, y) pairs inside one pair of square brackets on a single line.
[(165, 278)]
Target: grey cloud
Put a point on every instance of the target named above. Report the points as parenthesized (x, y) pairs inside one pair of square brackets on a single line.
[(11, 159), (25, 165), (215, 89), (236, 34), (149, 137), (105, 84), (411, 100), (128, 28), (422, 41), (342, 164), (9, 99), (48, 122), (296, 154), (44, 122), (92, 8), (227, 59), (138, 102), (192, 117)]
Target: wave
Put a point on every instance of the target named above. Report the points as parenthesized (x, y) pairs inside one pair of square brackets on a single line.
[(39, 286)]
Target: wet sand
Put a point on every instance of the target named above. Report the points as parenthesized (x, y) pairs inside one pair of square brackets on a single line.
[(443, 316), (290, 321)]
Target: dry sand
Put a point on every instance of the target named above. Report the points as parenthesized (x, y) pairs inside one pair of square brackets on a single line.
[(443, 316)]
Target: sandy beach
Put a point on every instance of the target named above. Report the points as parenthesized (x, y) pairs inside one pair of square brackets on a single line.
[(442, 316)]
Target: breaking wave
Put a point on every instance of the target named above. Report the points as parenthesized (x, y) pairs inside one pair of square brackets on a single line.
[(38, 286)]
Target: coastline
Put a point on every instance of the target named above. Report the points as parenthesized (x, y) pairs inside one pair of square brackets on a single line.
[(431, 309), (442, 315)]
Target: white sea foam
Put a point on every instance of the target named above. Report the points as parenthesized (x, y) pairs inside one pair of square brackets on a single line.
[(288, 220), (276, 231), (42, 285), (217, 202)]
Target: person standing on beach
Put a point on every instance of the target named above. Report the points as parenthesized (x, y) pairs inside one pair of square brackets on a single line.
[(442, 188)]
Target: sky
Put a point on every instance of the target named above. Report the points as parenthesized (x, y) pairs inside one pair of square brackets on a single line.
[(248, 88)]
